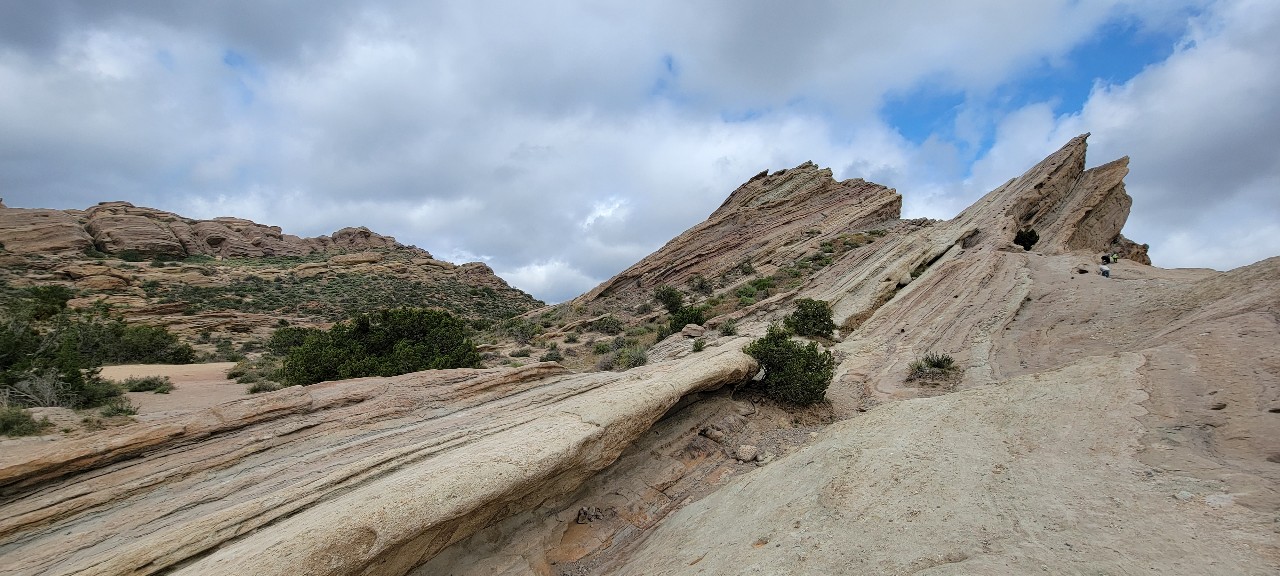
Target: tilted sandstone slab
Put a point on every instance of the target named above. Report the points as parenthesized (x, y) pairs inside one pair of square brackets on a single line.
[(370, 476), (772, 217)]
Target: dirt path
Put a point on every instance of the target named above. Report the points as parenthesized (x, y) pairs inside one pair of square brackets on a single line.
[(195, 386)]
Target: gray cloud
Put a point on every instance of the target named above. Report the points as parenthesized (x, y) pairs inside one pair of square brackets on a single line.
[(562, 141)]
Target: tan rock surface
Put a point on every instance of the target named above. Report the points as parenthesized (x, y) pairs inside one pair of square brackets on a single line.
[(367, 476), (34, 231)]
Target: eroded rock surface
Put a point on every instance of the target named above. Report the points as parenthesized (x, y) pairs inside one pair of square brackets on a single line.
[(370, 476)]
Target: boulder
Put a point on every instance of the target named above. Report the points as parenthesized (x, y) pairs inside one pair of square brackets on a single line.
[(40, 231)]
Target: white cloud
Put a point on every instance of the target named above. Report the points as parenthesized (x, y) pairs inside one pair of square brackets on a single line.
[(563, 141)]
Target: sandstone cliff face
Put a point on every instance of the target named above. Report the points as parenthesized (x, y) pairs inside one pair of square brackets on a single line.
[(117, 227), (26, 230), (772, 217), (371, 476)]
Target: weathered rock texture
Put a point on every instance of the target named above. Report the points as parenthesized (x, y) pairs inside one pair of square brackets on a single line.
[(1084, 405), (369, 476), (212, 275), (120, 227), (1097, 425), (773, 217)]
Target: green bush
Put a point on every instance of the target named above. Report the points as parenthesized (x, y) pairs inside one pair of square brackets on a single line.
[(699, 344), (632, 356), (385, 343), (119, 406), (154, 384), (698, 283), (792, 372), (601, 348), (729, 327), (669, 297), (931, 366), (552, 355), (811, 318), (520, 353), (608, 325), (287, 338), (264, 386), (15, 421), (572, 338)]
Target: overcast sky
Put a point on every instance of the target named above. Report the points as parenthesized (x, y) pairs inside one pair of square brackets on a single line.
[(561, 141)]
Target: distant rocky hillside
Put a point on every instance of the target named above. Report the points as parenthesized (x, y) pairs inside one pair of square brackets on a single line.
[(232, 278)]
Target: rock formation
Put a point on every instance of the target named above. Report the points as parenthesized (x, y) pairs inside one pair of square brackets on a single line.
[(771, 218), (1096, 425), (121, 227), (371, 476)]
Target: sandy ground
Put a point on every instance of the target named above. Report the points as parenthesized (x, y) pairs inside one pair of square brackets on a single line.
[(195, 386)]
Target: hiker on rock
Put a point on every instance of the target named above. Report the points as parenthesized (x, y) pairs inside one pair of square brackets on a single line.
[(1105, 270)]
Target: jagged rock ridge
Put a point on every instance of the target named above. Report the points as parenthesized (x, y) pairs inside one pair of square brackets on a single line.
[(1099, 426)]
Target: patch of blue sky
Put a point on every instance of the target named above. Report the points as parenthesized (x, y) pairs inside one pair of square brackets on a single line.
[(1116, 53), (165, 59), (245, 70)]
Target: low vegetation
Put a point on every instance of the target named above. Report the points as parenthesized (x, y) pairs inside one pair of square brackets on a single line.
[(384, 343), (154, 384), (50, 355), (15, 421), (793, 372), (932, 368), (811, 318)]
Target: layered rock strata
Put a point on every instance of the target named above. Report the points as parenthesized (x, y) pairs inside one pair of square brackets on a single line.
[(370, 476)]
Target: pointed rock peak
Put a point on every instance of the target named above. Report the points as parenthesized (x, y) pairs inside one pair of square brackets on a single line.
[(1057, 206)]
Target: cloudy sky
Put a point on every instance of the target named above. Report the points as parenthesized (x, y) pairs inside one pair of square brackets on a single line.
[(561, 141)]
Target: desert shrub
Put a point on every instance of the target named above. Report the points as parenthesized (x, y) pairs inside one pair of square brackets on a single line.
[(130, 255), (698, 283), (931, 366), (811, 318), (644, 308), (119, 406), (745, 291), (287, 338), (520, 329), (699, 344), (669, 297), (15, 421), (385, 343), (263, 386), (609, 324), (729, 327), (1026, 238), (520, 353), (47, 301), (685, 316), (155, 384), (552, 355), (572, 338), (607, 362), (601, 348), (792, 372), (631, 356), (762, 284)]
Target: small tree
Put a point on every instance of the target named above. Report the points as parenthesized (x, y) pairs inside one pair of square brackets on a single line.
[(811, 318), (669, 297), (792, 372)]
